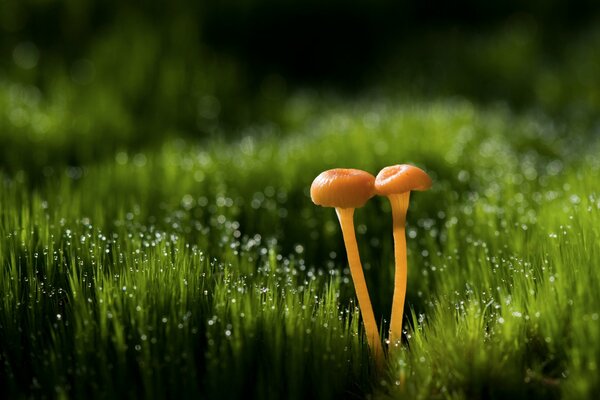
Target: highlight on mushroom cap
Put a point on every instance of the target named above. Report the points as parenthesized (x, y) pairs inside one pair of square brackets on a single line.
[(401, 179), (343, 188)]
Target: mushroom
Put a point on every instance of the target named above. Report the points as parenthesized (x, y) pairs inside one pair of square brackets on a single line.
[(347, 189), (396, 182)]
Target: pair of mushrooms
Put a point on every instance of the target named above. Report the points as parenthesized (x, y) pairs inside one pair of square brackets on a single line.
[(347, 189)]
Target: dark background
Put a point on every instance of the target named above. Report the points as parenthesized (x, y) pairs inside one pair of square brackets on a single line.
[(128, 74)]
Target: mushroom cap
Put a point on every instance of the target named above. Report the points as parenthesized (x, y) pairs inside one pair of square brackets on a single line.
[(401, 178), (342, 188)]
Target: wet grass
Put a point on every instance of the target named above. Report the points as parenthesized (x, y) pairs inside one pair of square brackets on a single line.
[(204, 269)]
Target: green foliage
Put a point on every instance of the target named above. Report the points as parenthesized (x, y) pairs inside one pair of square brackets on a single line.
[(205, 269), (157, 237)]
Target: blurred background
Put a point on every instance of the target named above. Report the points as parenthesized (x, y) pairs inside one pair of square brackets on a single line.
[(82, 79)]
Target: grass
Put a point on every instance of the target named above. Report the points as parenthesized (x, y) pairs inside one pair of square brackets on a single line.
[(203, 269)]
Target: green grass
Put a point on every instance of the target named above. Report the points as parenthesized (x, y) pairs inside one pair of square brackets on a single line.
[(190, 269)]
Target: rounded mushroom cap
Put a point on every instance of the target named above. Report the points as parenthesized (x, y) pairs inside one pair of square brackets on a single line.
[(343, 188), (401, 179)]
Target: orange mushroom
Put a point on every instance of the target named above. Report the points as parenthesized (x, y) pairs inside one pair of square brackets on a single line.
[(347, 189), (396, 182)]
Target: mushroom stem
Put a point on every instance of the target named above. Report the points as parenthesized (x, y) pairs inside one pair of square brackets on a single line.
[(346, 217), (399, 204)]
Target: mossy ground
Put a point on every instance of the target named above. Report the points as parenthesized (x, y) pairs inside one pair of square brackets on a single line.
[(138, 261), (206, 268)]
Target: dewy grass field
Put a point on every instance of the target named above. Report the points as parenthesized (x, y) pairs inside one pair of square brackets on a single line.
[(206, 270), (157, 233)]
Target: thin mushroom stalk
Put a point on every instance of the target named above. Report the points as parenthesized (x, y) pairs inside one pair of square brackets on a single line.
[(399, 204), (346, 218), (345, 190), (396, 183)]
